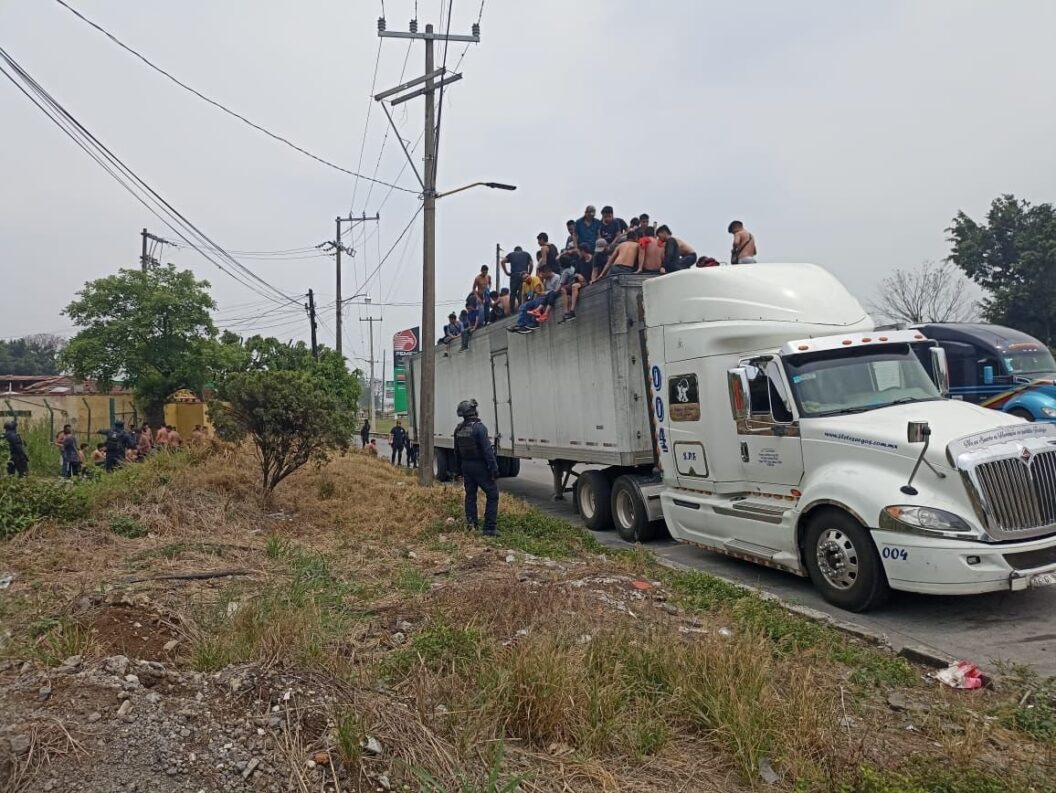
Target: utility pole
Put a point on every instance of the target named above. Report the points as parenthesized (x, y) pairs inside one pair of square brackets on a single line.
[(372, 320), (145, 260), (426, 406), (339, 249), (311, 319)]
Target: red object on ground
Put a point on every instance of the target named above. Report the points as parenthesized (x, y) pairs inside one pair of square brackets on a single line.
[(641, 585)]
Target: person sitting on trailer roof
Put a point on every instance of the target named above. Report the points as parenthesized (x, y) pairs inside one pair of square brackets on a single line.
[(571, 290), (622, 259), (505, 300), (474, 320), (531, 286), (678, 254), (650, 253), (537, 309), (452, 331), (495, 310)]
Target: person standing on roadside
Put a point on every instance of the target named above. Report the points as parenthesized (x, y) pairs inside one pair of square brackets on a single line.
[(18, 464), (364, 432), (398, 440), (516, 264), (743, 250), (475, 458), (71, 455)]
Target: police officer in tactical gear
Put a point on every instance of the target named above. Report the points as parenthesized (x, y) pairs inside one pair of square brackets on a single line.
[(19, 462), (475, 457), (117, 440)]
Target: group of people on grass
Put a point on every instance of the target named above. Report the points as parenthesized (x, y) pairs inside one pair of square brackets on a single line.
[(400, 441), (118, 446), (595, 249)]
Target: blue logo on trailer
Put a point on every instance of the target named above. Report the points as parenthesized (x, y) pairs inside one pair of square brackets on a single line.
[(657, 378), (659, 409)]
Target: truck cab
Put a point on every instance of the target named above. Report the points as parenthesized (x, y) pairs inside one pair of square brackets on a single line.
[(999, 368), (792, 434)]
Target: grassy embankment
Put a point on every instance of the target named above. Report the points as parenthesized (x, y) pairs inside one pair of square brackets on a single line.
[(537, 659)]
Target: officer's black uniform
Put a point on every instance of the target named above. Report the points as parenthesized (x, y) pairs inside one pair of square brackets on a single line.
[(117, 440), (399, 441), (475, 457), (19, 462)]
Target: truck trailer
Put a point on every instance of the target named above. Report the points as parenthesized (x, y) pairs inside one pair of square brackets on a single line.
[(756, 412)]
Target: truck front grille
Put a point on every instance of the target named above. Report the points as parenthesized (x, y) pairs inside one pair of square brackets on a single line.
[(1019, 493)]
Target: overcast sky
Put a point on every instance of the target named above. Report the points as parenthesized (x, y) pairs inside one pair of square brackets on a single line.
[(846, 134)]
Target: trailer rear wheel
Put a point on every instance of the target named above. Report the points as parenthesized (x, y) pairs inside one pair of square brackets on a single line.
[(509, 467), (629, 512), (442, 465), (593, 500)]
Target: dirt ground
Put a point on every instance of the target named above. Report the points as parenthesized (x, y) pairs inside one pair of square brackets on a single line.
[(354, 637)]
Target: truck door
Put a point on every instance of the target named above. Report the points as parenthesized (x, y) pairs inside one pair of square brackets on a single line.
[(768, 436), (500, 373)]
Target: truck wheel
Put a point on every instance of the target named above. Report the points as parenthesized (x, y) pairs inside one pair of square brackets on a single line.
[(441, 465), (1021, 413), (593, 500), (629, 513), (843, 563), (509, 466)]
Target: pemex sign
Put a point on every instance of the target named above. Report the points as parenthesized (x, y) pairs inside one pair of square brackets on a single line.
[(404, 344)]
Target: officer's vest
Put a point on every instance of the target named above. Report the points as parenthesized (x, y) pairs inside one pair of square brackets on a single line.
[(466, 443)]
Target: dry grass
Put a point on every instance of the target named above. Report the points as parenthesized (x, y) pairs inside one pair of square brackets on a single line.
[(473, 671)]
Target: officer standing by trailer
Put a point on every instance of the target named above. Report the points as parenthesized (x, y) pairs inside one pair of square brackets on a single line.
[(475, 458)]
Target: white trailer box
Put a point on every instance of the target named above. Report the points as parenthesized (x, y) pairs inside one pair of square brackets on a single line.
[(573, 391)]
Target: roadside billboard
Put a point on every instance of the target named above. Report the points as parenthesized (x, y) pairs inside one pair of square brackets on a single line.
[(404, 344)]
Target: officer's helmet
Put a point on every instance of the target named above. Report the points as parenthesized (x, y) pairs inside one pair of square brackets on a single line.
[(467, 408), (10, 423), (119, 424)]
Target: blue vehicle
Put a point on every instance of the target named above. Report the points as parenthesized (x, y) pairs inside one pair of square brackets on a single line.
[(998, 367)]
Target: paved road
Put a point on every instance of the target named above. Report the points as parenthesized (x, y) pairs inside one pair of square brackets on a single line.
[(1019, 626)]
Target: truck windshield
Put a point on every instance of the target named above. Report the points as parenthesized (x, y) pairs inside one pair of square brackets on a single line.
[(1028, 360), (856, 380)]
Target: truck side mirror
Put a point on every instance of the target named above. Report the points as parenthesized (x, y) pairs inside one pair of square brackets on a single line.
[(916, 432), (940, 370), (988, 375), (737, 383)]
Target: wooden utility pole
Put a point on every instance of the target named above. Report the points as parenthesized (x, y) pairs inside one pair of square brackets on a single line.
[(433, 79)]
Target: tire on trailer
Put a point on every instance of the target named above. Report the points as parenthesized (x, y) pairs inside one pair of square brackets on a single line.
[(593, 500), (1022, 413), (509, 467), (629, 512), (442, 464), (843, 562)]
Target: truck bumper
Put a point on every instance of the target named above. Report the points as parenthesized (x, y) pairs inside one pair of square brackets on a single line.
[(939, 566)]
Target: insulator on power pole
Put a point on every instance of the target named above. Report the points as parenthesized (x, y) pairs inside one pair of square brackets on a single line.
[(381, 24), (414, 26), (476, 29)]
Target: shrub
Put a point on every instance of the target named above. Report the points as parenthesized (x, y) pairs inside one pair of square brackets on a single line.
[(25, 502)]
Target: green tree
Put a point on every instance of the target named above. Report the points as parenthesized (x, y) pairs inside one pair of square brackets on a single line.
[(267, 354), (1013, 256), (290, 416), (36, 354), (150, 329)]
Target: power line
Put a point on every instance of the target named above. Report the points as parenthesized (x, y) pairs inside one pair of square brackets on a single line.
[(366, 124), (443, 70), (99, 152), (388, 253), (222, 107)]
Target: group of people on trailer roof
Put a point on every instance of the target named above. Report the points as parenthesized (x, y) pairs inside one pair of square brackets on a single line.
[(595, 248)]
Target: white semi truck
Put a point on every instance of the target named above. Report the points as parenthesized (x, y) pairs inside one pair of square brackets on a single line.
[(757, 412)]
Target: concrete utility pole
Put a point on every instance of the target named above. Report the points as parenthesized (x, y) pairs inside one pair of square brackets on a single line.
[(498, 267), (146, 260), (311, 319), (338, 250), (372, 320), (433, 79)]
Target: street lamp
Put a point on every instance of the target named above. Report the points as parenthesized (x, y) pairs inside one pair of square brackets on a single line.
[(492, 185)]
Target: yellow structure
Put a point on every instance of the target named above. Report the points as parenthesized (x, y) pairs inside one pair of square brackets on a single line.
[(185, 411), (85, 413)]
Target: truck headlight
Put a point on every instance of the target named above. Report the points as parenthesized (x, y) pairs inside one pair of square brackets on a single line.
[(925, 519), (1050, 412)]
